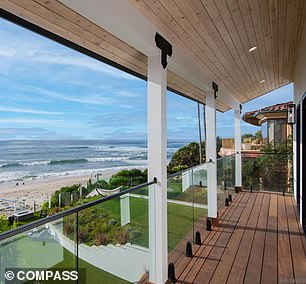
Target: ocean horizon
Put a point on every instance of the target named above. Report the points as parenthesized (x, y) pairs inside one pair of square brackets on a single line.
[(22, 160)]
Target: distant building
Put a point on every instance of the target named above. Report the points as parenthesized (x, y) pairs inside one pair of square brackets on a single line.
[(273, 122), (274, 128)]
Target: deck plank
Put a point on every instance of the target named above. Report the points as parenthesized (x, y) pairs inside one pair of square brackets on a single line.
[(269, 267), (253, 270), (300, 227), (240, 250), (285, 269), (297, 249)]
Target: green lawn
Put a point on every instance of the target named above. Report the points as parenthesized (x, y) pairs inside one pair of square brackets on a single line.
[(194, 194), (180, 219)]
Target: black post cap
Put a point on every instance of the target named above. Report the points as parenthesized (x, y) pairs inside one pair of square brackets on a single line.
[(198, 238), (189, 250), (230, 199), (171, 273), (208, 225)]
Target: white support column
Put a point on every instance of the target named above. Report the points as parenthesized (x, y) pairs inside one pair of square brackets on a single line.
[(157, 167), (211, 154), (238, 170)]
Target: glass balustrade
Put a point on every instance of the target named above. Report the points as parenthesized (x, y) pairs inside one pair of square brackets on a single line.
[(268, 172), (187, 209)]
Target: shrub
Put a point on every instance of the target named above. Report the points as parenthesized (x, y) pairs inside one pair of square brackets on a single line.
[(4, 224), (123, 237), (54, 210), (102, 184), (69, 229), (112, 222), (83, 235), (101, 239), (104, 228), (119, 181)]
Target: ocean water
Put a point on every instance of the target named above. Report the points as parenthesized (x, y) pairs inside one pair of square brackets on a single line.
[(24, 160)]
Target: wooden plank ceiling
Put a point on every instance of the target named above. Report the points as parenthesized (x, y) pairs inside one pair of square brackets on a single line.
[(216, 34)]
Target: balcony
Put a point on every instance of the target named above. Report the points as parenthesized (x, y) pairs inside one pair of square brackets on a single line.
[(218, 54), (258, 239)]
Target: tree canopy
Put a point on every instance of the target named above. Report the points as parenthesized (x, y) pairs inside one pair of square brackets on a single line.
[(186, 157)]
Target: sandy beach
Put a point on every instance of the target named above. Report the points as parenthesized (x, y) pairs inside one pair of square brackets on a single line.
[(39, 190)]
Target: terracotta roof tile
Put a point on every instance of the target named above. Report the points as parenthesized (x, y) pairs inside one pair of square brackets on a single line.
[(277, 107)]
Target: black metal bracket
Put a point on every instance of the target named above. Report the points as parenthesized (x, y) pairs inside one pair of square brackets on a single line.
[(165, 47), (215, 88)]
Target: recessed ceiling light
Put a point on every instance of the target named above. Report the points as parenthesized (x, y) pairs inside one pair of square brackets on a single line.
[(262, 81), (252, 48)]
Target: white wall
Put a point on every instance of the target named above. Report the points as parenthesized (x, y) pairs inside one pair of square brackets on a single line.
[(300, 70), (299, 82)]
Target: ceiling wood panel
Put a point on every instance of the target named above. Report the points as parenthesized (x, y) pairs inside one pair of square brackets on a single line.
[(227, 29), (263, 45), (216, 31), (176, 34), (202, 36)]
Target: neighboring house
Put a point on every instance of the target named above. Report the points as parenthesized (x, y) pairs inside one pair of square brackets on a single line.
[(273, 122), (274, 128)]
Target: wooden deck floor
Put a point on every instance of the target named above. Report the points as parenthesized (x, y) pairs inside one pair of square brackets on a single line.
[(259, 240)]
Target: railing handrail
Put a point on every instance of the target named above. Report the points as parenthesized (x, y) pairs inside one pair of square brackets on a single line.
[(197, 166), (227, 156), (273, 153), (29, 226), (187, 170)]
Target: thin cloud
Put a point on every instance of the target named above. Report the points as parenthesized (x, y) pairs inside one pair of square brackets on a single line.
[(88, 99), (28, 121), (31, 111), (49, 122), (50, 56)]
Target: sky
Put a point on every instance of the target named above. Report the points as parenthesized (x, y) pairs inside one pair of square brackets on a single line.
[(48, 91)]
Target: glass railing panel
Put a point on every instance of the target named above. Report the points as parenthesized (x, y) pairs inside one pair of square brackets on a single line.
[(225, 179), (221, 182), (179, 189), (230, 176), (250, 173), (268, 172), (114, 239), (187, 209), (199, 197), (48, 247)]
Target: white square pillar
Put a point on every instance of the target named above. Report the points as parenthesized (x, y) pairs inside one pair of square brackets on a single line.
[(125, 209), (157, 167), (238, 170), (211, 154)]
